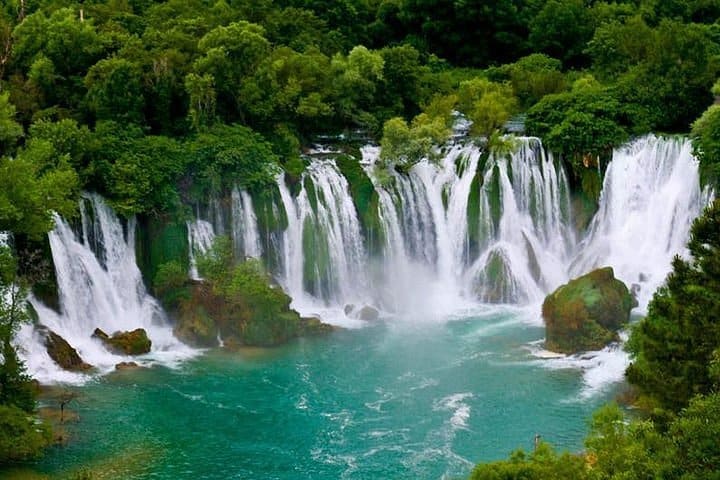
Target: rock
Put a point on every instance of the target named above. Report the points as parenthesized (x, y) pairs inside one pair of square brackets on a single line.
[(194, 325), (63, 353), (368, 313), (127, 366), (586, 313), (634, 290), (135, 342), (314, 326), (349, 309)]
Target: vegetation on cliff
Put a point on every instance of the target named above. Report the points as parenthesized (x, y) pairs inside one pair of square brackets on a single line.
[(236, 303)]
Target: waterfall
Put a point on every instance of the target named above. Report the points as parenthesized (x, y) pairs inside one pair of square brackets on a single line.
[(466, 229), (99, 286), (324, 252), (524, 218), (246, 240), (650, 197), (200, 238), (506, 244)]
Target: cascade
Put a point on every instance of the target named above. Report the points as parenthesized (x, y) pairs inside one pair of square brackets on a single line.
[(472, 227), (324, 253), (650, 196), (99, 286), (519, 242), (200, 238), (468, 229), (246, 240), (524, 215)]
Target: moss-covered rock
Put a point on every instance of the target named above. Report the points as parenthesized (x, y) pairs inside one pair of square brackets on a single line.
[(586, 313), (194, 324), (135, 342), (63, 353), (310, 326), (241, 307)]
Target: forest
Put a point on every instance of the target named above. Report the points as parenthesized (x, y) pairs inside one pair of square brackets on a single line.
[(157, 104)]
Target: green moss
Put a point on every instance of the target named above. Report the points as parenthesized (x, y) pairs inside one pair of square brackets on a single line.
[(366, 201), (494, 200), (160, 240), (316, 260), (586, 200), (586, 313), (473, 214)]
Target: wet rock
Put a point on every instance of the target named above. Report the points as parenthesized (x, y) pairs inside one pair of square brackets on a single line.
[(63, 353), (127, 366), (586, 313), (135, 342), (314, 326), (368, 313), (349, 308)]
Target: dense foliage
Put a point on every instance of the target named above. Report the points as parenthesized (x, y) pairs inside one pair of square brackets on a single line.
[(129, 93), (675, 346)]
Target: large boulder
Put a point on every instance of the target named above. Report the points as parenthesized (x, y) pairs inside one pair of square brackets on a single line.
[(368, 313), (63, 353), (135, 342), (586, 313)]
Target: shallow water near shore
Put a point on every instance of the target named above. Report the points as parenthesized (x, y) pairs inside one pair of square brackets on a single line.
[(398, 399)]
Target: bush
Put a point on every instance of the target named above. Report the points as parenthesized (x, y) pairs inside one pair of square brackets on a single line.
[(22, 436)]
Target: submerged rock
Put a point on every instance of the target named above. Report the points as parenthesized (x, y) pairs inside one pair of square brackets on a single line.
[(586, 313), (135, 342), (63, 353)]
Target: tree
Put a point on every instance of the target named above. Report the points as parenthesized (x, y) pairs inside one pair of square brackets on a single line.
[(15, 386), (10, 130), (674, 346), (542, 464), (114, 90), (487, 104), (706, 141), (35, 183), (561, 29)]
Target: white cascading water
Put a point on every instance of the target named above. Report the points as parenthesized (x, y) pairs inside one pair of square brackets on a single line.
[(323, 225), (425, 216), (200, 238), (99, 286), (650, 197), (246, 241), (526, 251)]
